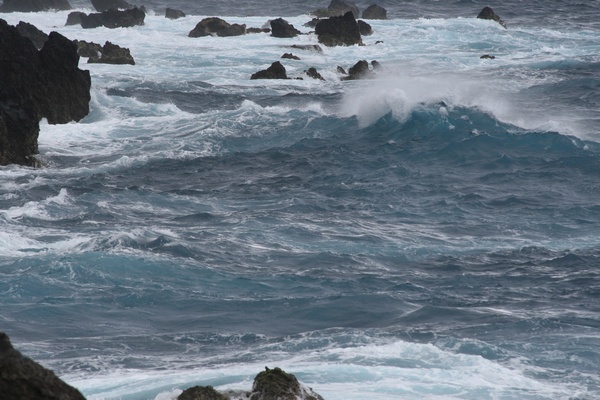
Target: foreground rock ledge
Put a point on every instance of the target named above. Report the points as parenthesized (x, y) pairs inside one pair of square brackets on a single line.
[(21, 378)]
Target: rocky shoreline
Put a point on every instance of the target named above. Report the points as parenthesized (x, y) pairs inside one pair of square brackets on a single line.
[(21, 378)]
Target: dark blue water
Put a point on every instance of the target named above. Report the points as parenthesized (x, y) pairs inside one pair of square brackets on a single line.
[(191, 232)]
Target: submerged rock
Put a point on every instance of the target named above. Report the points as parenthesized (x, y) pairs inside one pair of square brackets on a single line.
[(105, 5), (309, 47), (313, 73), (339, 31), (174, 14), (21, 378), (488, 13), (290, 56), (275, 71), (34, 5), (282, 29), (216, 26), (375, 11), (35, 85)]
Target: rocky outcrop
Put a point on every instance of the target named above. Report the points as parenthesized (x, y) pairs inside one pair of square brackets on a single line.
[(105, 5), (339, 31), (112, 54), (114, 19), (364, 28), (174, 14), (201, 393), (35, 85), (22, 378), (216, 26), (275, 71), (275, 384), (488, 13), (74, 18), (337, 8), (34, 5), (313, 73), (374, 11), (37, 37), (361, 70), (282, 29)]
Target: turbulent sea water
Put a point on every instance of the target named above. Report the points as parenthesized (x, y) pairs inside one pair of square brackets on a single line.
[(433, 233)]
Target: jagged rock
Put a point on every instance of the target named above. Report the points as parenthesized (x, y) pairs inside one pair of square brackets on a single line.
[(313, 73), (339, 31), (275, 71), (312, 23), (282, 29), (341, 70), (310, 47), (201, 393), (74, 18), (23, 379), (105, 5), (88, 49), (34, 5), (114, 19), (113, 54), (337, 8), (360, 70), (375, 11), (217, 26), (488, 13), (35, 85), (37, 37), (290, 56), (276, 384), (364, 28), (174, 14), (258, 30)]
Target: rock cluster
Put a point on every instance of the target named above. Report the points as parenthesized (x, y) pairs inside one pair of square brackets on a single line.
[(107, 54), (34, 5), (339, 31), (214, 26), (35, 85), (114, 18), (21, 378)]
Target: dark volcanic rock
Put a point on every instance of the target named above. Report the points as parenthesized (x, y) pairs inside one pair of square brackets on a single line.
[(275, 71), (35, 85), (290, 56), (360, 70), (105, 5), (339, 31), (309, 47), (37, 37), (364, 28), (74, 18), (312, 23), (313, 73), (217, 26), (258, 30), (375, 11), (276, 384), (283, 29), (337, 8), (114, 19), (88, 49), (488, 13), (201, 393), (23, 379), (174, 14), (113, 54), (34, 5), (487, 57)]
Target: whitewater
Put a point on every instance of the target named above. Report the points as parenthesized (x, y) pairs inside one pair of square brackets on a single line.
[(432, 233)]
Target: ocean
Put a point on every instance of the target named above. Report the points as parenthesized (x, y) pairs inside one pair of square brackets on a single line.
[(432, 233)]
